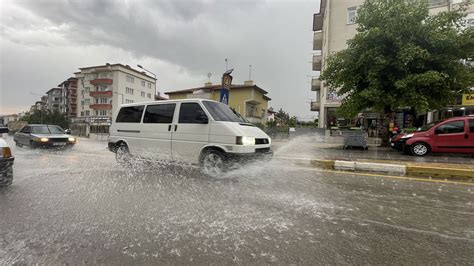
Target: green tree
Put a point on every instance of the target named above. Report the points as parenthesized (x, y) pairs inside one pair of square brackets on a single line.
[(44, 116), (282, 118), (401, 56)]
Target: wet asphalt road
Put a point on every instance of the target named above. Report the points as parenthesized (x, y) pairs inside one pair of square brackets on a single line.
[(79, 206)]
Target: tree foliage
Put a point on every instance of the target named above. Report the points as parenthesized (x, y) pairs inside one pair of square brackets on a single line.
[(401, 56), (43, 116)]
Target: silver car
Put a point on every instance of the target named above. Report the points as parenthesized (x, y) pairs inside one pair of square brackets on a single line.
[(48, 136)]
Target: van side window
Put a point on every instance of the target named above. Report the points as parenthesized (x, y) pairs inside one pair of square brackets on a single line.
[(451, 127), (190, 113), (131, 114), (161, 114), (471, 125)]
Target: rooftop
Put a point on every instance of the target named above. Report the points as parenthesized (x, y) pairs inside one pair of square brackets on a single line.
[(218, 87), (115, 65)]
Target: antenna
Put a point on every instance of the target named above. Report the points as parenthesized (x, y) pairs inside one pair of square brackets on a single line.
[(250, 72), (226, 64), (209, 75)]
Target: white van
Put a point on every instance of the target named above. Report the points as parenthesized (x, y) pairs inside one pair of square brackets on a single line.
[(193, 131)]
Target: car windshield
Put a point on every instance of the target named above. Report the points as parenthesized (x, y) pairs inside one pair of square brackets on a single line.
[(221, 112), (47, 130), (426, 127)]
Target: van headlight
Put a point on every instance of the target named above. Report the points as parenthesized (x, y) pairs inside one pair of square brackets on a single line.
[(408, 136), (245, 141)]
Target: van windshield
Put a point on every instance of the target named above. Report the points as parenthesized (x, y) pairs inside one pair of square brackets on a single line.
[(221, 112)]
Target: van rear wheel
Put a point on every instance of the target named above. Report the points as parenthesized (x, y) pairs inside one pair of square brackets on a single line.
[(122, 155), (213, 163)]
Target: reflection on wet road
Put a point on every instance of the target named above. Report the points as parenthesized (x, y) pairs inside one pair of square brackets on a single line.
[(79, 206)]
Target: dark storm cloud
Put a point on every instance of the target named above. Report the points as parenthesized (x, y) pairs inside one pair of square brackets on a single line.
[(181, 40)]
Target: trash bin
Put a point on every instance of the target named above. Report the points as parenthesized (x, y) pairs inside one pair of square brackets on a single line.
[(355, 139)]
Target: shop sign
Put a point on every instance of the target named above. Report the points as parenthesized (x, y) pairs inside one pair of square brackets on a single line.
[(467, 99)]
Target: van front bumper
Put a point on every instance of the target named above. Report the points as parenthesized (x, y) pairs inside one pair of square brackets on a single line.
[(260, 154)]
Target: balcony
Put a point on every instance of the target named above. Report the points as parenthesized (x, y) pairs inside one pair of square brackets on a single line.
[(317, 62), (101, 106), (315, 105), (318, 22), (315, 84), (100, 94), (101, 81), (318, 40)]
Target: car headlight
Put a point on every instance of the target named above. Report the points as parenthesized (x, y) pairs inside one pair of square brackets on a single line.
[(71, 139), (43, 139), (408, 136), (245, 141), (6, 152)]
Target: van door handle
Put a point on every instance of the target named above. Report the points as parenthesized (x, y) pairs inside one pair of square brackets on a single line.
[(175, 127), (169, 127)]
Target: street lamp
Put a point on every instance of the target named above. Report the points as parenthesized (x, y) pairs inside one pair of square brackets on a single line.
[(140, 66)]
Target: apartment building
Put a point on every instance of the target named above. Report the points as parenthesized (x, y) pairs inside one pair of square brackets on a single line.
[(333, 26), (248, 99), (102, 89), (69, 97), (54, 99)]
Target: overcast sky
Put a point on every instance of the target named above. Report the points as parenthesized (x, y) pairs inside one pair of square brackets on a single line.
[(44, 41)]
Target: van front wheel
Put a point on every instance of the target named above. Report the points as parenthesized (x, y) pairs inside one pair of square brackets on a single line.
[(213, 163)]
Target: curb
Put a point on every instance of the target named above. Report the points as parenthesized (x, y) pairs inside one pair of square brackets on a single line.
[(391, 169)]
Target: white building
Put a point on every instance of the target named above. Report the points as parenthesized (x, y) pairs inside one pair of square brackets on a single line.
[(101, 90), (333, 26)]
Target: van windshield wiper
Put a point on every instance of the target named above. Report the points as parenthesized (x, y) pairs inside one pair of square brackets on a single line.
[(247, 124)]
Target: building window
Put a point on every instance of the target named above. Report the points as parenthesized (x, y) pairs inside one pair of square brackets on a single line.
[(101, 88), (82, 102), (149, 85), (432, 3), (128, 101), (143, 83), (87, 89), (142, 93), (148, 95), (82, 113), (130, 79), (101, 100), (87, 101), (470, 22), (101, 112), (129, 90), (88, 113), (104, 74), (351, 15)]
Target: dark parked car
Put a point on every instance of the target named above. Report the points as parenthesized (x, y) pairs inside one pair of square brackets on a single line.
[(43, 136)]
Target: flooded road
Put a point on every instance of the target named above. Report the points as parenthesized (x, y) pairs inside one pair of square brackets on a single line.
[(79, 206)]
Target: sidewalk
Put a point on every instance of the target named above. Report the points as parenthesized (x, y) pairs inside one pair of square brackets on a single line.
[(377, 159)]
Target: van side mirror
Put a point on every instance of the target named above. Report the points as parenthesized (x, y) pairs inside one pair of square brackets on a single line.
[(3, 130), (202, 118)]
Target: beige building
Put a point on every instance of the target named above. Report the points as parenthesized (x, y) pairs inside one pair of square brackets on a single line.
[(102, 89), (333, 26)]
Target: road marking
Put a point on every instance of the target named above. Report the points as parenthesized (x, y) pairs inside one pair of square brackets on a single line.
[(397, 177)]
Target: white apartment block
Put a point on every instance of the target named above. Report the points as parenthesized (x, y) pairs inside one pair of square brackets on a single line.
[(102, 89), (333, 26)]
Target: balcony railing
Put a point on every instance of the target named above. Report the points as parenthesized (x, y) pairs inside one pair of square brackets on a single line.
[(318, 40), (315, 105), (318, 22), (100, 94), (101, 106), (101, 81), (333, 97), (315, 84), (317, 62)]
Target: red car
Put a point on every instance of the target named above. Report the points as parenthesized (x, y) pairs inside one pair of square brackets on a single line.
[(454, 135)]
